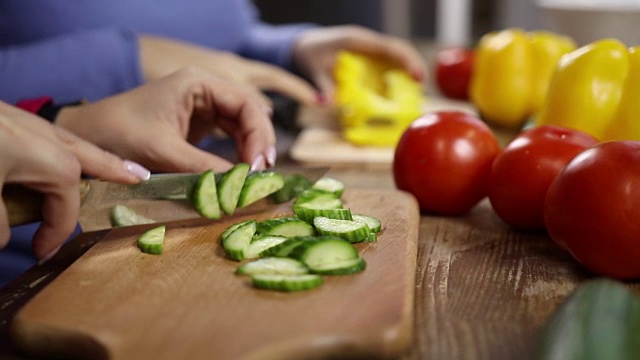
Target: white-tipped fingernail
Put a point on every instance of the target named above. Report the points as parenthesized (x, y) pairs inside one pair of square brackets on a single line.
[(258, 163), (49, 255), (272, 155), (137, 170), (267, 110)]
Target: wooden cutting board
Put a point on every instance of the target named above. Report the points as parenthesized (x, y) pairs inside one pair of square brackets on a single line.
[(118, 303)]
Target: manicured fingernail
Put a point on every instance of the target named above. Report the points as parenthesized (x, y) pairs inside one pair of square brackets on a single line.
[(49, 255), (137, 170), (272, 154), (258, 163), (267, 110), (322, 99)]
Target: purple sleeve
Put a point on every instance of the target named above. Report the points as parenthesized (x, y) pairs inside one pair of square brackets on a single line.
[(85, 65), (270, 43)]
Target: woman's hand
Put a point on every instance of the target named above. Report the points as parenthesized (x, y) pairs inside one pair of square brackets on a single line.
[(157, 123), (161, 57), (50, 160), (315, 53)]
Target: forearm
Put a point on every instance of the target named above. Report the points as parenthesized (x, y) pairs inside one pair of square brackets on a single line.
[(89, 65)]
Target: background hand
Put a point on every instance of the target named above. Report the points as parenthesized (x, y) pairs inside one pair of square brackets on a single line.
[(316, 50)]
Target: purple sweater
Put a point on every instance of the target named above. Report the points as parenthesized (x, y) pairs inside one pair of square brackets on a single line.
[(72, 49)]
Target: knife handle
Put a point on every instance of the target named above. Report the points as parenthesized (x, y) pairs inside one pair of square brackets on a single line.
[(24, 205)]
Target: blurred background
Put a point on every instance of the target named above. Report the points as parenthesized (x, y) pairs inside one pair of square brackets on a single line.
[(461, 21)]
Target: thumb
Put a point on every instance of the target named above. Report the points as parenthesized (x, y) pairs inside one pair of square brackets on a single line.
[(324, 82), (180, 156)]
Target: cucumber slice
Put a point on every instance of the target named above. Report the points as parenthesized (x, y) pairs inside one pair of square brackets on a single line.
[(308, 214), (287, 282), (259, 185), (328, 253), (343, 267), (285, 226), (230, 185), (349, 230), (235, 243), (372, 222), (273, 266), (373, 237), (152, 240), (205, 196), (330, 185), (317, 199), (261, 243), (122, 215), (284, 249), (293, 185), (231, 228)]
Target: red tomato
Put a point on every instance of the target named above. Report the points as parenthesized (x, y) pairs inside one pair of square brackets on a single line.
[(444, 159), (453, 68), (593, 209), (522, 172)]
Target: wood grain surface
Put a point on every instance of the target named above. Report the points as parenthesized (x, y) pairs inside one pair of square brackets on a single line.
[(118, 303)]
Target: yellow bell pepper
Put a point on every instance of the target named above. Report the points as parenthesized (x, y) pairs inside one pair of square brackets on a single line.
[(512, 71), (596, 89), (377, 102)]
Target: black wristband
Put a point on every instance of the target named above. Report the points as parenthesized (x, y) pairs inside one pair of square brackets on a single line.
[(50, 111)]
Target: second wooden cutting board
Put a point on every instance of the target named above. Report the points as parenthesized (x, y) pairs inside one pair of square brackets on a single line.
[(117, 303)]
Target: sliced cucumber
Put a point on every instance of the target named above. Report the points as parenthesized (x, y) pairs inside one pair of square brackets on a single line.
[(260, 243), (372, 222), (205, 196), (285, 226), (351, 231), (287, 282), (152, 240), (235, 243), (122, 215), (273, 266), (343, 267), (308, 214), (328, 253), (330, 185), (230, 185), (293, 185), (284, 249), (231, 228), (259, 185), (373, 237)]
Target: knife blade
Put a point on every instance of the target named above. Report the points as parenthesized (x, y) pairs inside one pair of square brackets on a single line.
[(164, 197)]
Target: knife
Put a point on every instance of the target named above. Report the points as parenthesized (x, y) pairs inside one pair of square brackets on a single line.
[(167, 193)]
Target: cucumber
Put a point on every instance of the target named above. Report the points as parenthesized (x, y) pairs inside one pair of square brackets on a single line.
[(372, 222), (285, 226), (317, 199), (152, 240), (287, 282), (351, 231), (230, 185), (327, 254), (235, 243), (259, 185), (343, 267), (260, 243), (293, 185), (308, 214), (205, 196), (600, 320), (231, 228), (122, 215), (284, 248), (330, 185), (273, 266)]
